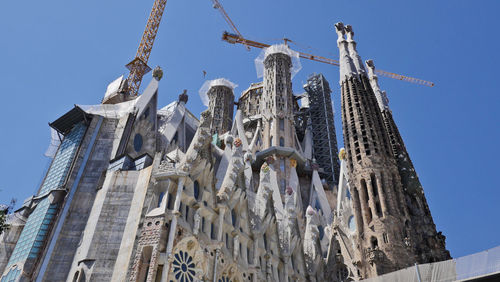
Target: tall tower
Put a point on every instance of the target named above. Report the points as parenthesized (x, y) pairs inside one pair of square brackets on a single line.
[(426, 242), (277, 99), (378, 200), (221, 104), (277, 108), (323, 127)]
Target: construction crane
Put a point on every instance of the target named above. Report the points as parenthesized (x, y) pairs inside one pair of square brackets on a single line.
[(228, 20), (237, 39), (138, 67)]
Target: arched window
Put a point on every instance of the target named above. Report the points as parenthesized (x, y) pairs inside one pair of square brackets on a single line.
[(374, 242), (282, 142), (196, 189), (233, 217)]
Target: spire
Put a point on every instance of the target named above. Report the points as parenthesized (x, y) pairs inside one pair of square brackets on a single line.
[(346, 66), (358, 63), (381, 96)]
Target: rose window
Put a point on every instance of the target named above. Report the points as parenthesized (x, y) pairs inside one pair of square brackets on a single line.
[(224, 279), (183, 267)]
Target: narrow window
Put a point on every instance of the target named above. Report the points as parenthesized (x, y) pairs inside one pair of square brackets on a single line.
[(282, 142), (170, 202), (160, 198), (374, 242), (365, 190), (374, 185), (265, 241), (212, 231), (196, 189), (233, 217), (379, 210), (282, 124)]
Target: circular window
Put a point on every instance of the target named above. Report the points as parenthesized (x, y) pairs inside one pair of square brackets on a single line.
[(183, 267), (137, 142), (352, 224)]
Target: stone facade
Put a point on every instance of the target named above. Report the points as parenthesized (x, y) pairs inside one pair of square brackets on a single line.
[(158, 195)]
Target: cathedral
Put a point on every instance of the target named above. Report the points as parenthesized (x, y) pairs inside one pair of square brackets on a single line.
[(254, 189)]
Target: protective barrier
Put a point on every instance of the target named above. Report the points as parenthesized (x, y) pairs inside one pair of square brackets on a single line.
[(280, 48), (464, 268), (211, 83)]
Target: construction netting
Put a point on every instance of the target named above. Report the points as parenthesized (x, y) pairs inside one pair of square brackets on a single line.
[(55, 141), (211, 83), (464, 268), (110, 110), (280, 48)]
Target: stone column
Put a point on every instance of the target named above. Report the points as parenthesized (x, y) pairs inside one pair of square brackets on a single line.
[(371, 203), (381, 195), (364, 205), (173, 227)]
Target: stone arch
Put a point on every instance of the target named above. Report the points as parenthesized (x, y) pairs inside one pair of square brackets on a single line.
[(187, 258)]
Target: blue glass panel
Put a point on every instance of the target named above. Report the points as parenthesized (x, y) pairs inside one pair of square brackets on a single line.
[(36, 229)]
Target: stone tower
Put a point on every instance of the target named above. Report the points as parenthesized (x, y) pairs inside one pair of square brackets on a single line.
[(421, 235), (277, 99), (221, 103), (378, 200), (277, 107)]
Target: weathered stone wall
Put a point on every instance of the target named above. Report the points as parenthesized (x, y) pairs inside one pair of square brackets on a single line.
[(76, 219), (112, 221)]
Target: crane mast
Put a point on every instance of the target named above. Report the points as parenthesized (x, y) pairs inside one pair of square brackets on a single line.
[(139, 65), (236, 39)]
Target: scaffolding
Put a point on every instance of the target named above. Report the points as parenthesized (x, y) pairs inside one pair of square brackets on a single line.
[(323, 128)]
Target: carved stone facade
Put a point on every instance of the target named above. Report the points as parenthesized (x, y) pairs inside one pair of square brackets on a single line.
[(380, 195), (221, 104), (149, 195)]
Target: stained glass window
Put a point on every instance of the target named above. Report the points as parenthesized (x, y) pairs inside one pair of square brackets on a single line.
[(183, 267)]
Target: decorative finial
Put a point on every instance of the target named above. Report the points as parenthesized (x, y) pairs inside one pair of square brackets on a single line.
[(339, 28), (157, 73), (310, 211), (342, 154), (237, 142), (264, 168), (184, 97)]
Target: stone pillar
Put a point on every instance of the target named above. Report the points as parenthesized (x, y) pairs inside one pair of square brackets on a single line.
[(382, 196), (364, 206), (372, 201), (173, 227)]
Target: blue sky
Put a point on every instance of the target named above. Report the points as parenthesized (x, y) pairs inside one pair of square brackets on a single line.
[(60, 53)]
